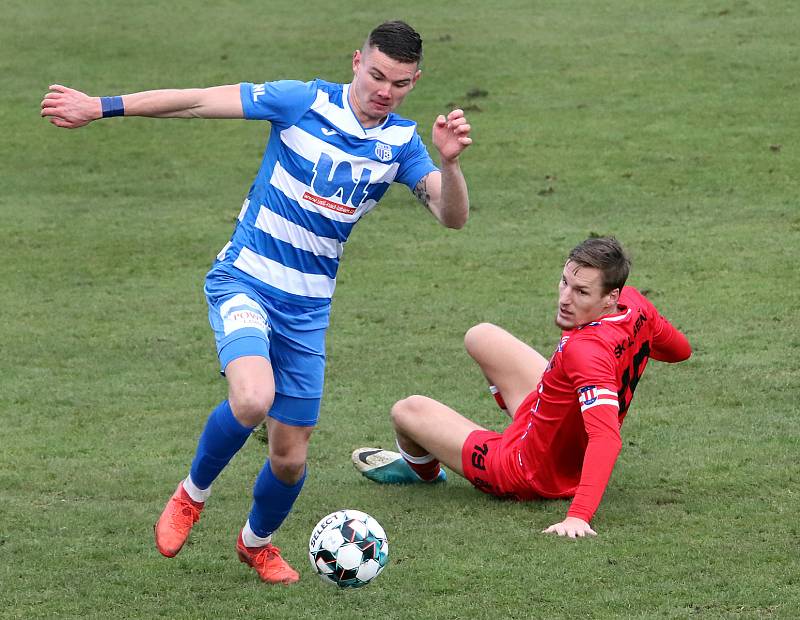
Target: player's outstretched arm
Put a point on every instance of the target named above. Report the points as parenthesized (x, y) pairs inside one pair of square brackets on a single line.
[(70, 108), (445, 193), (573, 527)]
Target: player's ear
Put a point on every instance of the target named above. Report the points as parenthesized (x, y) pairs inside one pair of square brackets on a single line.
[(417, 75), (356, 60), (613, 297)]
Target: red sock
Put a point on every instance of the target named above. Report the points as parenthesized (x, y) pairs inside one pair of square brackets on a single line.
[(426, 466), (427, 471), (498, 397)]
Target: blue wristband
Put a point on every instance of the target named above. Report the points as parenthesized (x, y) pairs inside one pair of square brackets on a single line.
[(112, 106)]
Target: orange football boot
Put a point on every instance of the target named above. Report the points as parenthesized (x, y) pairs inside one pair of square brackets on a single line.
[(267, 562), (173, 526)]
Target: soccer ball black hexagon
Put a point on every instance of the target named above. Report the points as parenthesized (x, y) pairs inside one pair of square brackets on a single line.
[(348, 548)]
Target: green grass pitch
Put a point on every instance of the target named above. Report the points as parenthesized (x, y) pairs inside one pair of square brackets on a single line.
[(672, 125)]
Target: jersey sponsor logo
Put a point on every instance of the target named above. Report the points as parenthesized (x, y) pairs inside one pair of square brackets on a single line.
[(640, 320), (329, 132), (241, 312), (587, 395), (336, 188), (620, 347), (629, 341), (383, 151), (328, 204)]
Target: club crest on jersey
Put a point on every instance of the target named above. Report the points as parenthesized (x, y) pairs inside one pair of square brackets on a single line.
[(383, 151), (587, 395)]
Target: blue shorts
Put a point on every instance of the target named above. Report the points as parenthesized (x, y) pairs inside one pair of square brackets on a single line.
[(291, 337)]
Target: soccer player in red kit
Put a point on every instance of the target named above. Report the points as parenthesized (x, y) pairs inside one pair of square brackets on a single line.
[(564, 437)]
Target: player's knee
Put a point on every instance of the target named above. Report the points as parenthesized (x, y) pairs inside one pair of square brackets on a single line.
[(478, 336), (406, 411), (288, 465), (250, 403)]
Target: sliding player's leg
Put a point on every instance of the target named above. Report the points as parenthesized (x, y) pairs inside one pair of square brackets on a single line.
[(511, 367), (428, 433)]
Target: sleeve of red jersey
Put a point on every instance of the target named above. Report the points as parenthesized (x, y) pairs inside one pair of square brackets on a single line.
[(590, 367), (668, 344)]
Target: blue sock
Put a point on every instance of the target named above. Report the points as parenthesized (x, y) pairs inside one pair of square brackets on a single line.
[(272, 501), (222, 437)]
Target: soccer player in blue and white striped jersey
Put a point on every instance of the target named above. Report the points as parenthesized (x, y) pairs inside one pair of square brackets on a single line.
[(334, 150)]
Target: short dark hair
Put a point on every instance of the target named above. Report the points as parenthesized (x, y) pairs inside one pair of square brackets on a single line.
[(607, 255), (398, 41)]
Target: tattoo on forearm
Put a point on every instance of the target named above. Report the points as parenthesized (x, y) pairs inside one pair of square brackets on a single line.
[(421, 192)]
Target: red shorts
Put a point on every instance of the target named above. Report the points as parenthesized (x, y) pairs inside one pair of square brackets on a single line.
[(491, 462)]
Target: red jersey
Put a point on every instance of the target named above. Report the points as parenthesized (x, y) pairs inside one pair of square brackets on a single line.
[(568, 437)]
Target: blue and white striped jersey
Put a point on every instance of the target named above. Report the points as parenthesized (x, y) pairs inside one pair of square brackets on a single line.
[(321, 172)]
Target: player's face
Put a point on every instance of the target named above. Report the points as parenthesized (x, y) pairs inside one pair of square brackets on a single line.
[(379, 85), (581, 298)]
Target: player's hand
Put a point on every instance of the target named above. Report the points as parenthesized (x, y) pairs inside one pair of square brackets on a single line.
[(572, 527), (451, 134), (69, 108)]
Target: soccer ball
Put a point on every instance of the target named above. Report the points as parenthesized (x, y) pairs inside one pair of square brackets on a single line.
[(348, 548)]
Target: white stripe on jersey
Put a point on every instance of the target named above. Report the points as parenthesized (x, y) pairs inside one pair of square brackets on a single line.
[(345, 120), (284, 278), (395, 135), (616, 318), (598, 400), (294, 190), (297, 236), (310, 147), (223, 251), (601, 401), (243, 210)]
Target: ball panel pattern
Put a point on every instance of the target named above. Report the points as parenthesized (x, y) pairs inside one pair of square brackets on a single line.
[(348, 548)]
